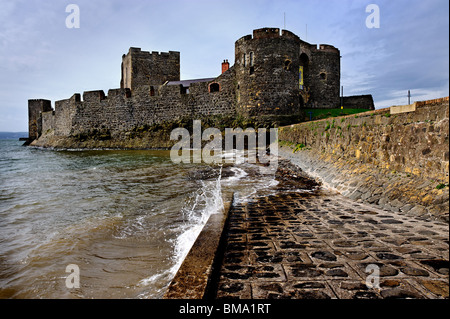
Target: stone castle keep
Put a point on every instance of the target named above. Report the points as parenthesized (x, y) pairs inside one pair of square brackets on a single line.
[(273, 74)]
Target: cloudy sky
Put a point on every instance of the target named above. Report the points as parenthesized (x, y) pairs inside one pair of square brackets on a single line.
[(42, 58)]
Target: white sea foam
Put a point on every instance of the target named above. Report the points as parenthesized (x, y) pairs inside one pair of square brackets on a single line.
[(205, 202)]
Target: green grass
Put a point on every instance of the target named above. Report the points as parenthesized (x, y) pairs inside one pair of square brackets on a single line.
[(441, 186), (299, 147), (318, 114)]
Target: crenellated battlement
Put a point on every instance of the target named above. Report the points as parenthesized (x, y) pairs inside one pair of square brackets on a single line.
[(93, 96), (137, 52), (268, 33), (275, 73), (325, 48), (144, 68)]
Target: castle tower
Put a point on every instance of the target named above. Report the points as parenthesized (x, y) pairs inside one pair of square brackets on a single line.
[(267, 72), (35, 108), (140, 68), (320, 68)]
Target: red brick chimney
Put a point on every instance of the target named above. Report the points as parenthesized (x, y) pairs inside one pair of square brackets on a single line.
[(225, 66)]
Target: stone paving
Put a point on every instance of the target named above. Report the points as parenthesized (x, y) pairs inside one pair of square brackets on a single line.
[(318, 244)]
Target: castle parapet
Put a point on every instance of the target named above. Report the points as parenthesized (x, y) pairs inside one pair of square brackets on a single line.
[(244, 38), (76, 97), (93, 96), (324, 48), (289, 35), (35, 108), (266, 33), (144, 68), (124, 93)]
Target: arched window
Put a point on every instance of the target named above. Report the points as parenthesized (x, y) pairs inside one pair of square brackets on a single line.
[(304, 71), (244, 62), (214, 87), (252, 59)]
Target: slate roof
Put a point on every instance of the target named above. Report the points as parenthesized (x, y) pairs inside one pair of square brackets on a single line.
[(187, 83)]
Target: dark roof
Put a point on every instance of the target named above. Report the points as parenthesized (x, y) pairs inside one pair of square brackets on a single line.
[(187, 83)]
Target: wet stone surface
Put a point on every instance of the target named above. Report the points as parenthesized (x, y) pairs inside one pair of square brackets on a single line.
[(319, 245)]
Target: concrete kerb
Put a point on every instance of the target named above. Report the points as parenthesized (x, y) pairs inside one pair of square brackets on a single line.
[(195, 278)]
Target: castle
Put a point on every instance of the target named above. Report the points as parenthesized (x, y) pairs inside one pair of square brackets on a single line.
[(274, 73)]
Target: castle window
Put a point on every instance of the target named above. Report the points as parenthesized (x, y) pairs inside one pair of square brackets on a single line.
[(323, 76), (252, 58), (152, 91), (214, 87), (304, 70), (244, 62), (252, 70)]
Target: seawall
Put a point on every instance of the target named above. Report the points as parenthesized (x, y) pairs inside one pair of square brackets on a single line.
[(390, 167), (195, 278), (315, 244), (396, 158)]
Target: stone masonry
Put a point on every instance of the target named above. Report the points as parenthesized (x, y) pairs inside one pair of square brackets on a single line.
[(399, 162), (275, 73), (318, 245)]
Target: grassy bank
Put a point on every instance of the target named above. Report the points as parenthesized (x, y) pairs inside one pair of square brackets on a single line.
[(318, 114)]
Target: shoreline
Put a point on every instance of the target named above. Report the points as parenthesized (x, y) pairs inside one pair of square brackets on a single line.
[(234, 271)]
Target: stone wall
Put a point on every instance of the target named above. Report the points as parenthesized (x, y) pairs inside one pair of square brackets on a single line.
[(140, 68), (400, 161), (123, 110), (35, 107), (321, 75), (48, 121), (264, 82), (358, 102), (267, 72), (325, 74), (223, 102)]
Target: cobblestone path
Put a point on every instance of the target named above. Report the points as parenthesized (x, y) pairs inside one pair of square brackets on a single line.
[(319, 245)]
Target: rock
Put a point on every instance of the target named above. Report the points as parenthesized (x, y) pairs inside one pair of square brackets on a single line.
[(309, 285), (388, 256), (324, 255), (437, 287), (348, 285), (398, 293), (336, 273), (418, 210), (414, 272)]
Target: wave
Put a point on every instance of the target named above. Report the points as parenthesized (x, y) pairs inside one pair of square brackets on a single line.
[(207, 200)]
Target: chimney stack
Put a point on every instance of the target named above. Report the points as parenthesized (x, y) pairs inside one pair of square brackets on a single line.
[(225, 66)]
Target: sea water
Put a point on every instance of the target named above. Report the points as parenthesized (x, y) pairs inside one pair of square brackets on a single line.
[(126, 219)]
